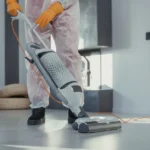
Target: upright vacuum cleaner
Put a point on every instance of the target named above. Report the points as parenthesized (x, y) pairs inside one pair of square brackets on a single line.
[(64, 85)]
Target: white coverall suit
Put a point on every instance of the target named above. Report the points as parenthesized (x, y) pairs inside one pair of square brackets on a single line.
[(65, 31)]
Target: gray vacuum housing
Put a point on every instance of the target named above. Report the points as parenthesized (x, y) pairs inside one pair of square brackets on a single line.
[(66, 89)]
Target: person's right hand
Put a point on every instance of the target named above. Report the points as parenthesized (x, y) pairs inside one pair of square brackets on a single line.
[(12, 7)]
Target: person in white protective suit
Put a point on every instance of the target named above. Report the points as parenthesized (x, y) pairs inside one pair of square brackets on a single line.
[(59, 18)]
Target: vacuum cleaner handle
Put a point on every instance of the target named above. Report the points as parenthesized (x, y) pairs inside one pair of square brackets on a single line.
[(21, 16)]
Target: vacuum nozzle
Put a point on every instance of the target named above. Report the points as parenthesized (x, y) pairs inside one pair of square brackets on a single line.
[(96, 124)]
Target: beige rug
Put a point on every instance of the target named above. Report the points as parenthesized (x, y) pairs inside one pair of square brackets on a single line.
[(14, 97)]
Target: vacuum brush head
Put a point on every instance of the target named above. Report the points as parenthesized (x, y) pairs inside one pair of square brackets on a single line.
[(96, 124)]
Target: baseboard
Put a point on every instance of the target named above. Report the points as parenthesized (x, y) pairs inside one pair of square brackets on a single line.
[(142, 111)]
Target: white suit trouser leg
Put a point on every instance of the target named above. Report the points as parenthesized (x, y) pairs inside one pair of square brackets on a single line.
[(65, 31)]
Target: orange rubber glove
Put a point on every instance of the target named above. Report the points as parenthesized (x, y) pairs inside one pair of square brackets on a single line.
[(12, 7), (47, 16)]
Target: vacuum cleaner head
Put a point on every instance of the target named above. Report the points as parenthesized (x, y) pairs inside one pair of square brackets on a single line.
[(96, 124)]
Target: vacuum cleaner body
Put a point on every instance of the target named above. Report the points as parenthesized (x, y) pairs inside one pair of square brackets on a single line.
[(58, 77)]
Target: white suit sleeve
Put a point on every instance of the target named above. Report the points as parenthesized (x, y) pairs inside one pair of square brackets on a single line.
[(67, 3)]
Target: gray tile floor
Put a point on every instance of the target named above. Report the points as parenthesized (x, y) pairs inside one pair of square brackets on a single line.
[(55, 134)]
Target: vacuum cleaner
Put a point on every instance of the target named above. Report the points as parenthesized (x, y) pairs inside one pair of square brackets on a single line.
[(63, 85)]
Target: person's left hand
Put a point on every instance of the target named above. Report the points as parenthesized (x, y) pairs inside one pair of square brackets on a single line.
[(47, 16)]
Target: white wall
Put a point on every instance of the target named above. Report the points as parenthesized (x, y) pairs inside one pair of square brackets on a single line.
[(131, 56), (2, 43)]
